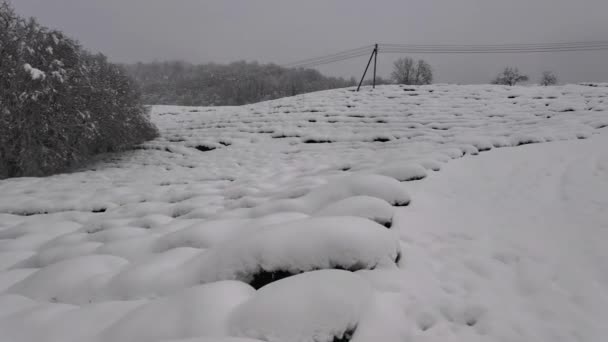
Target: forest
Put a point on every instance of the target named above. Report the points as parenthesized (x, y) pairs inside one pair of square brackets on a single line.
[(238, 83)]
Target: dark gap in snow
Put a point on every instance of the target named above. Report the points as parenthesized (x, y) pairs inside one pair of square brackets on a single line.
[(513, 96), (28, 213), (382, 139), (346, 168), (264, 277), (225, 143), (413, 178), (100, 210), (347, 336), (398, 258), (471, 321), (318, 141), (204, 148), (312, 120), (381, 121), (401, 204), (526, 142), (179, 212), (409, 89), (283, 136), (567, 110), (176, 140), (425, 326), (483, 149)]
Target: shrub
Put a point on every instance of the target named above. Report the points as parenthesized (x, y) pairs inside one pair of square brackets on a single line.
[(510, 77), (60, 104), (548, 79)]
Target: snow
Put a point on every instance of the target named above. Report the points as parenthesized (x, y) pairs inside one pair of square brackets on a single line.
[(35, 74), (350, 243), (304, 308), (495, 198), (199, 311), (371, 208), (69, 281)]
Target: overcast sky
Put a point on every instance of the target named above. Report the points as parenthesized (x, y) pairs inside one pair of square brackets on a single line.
[(281, 31)]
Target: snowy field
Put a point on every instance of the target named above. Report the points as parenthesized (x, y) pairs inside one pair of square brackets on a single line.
[(331, 216)]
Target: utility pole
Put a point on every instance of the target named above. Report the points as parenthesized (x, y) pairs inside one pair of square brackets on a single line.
[(374, 53), (375, 63)]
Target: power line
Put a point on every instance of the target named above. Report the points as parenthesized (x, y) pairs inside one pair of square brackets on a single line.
[(498, 48), (338, 55), (451, 49), (329, 60), (488, 46)]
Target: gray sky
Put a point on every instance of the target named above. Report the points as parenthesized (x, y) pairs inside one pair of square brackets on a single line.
[(281, 31)]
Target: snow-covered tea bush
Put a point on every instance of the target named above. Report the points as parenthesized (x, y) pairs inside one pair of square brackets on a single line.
[(60, 104)]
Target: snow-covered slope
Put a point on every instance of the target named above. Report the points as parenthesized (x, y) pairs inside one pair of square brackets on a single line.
[(172, 240)]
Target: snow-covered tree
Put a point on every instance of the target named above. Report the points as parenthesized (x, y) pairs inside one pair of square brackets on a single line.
[(510, 76), (548, 78), (58, 103)]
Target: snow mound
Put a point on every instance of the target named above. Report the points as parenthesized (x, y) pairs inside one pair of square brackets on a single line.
[(349, 243), (385, 188), (73, 281), (199, 311), (367, 207), (403, 172), (318, 306), (210, 233), (157, 275)]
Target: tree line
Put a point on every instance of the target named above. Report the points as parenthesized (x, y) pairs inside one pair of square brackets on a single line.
[(187, 84), (181, 83), (59, 103)]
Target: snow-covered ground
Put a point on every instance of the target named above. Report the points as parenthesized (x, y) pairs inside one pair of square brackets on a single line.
[(328, 216)]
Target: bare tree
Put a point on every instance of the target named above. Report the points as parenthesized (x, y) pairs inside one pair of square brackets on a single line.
[(406, 71), (510, 76), (548, 79), (424, 73)]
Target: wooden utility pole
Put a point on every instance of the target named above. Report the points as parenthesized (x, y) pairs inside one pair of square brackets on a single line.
[(375, 63), (374, 53)]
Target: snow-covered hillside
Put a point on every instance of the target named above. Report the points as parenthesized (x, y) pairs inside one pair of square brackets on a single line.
[(328, 216)]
